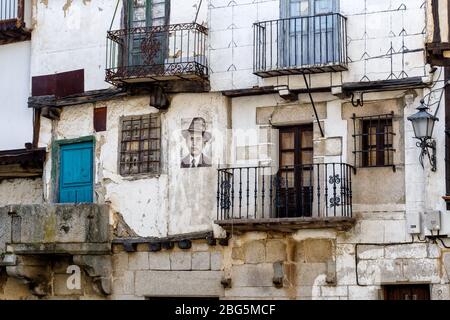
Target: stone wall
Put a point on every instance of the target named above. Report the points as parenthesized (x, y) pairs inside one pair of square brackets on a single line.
[(21, 191), (195, 272)]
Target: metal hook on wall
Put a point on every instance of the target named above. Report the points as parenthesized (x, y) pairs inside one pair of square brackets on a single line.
[(359, 101)]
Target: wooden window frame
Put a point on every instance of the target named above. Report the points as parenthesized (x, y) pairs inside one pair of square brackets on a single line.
[(146, 135), (366, 141)]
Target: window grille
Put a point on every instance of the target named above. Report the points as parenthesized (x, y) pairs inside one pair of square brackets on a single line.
[(374, 141), (140, 144)]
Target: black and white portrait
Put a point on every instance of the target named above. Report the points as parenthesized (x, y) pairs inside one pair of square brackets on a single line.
[(196, 152)]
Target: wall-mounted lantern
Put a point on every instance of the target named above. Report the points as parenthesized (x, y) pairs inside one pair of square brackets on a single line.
[(423, 125)]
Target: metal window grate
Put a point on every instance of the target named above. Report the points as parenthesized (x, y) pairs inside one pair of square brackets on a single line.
[(374, 141), (140, 145)]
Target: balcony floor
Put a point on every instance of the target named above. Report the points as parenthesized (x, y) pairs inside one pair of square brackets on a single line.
[(286, 224), (10, 32), (300, 70)]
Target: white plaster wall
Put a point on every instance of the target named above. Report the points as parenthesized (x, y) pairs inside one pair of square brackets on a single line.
[(16, 120), (78, 41), (21, 191), (176, 201), (231, 42)]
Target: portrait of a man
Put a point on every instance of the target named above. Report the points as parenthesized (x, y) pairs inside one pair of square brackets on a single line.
[(196, 138)]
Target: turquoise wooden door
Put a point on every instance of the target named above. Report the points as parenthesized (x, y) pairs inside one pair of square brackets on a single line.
[(76, 183)]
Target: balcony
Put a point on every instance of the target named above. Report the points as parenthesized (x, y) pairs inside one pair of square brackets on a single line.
[(159, 53), (55, 229), (12, 22), (289, 199), (303, 45)]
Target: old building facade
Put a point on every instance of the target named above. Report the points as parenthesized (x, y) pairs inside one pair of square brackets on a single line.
[(229, 149)]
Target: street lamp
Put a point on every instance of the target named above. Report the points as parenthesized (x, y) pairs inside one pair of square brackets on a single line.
[(423, 125)]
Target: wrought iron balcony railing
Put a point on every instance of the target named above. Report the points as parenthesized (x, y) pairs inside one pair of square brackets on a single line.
[(157, 53), (12, 21), (316, 191), (313, 44)]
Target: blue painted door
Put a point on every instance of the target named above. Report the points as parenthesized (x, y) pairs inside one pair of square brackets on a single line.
[(76, 184)]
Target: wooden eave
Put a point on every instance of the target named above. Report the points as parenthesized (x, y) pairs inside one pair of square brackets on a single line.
[(286, 224), (22, 163)]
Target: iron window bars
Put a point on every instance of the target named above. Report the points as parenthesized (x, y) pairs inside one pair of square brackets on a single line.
[(140, 144), (156, 53), (317, 190), (373, 141), (11, 11), (313, 44)]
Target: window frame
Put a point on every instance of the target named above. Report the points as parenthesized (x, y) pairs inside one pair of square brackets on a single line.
[(364, 146), (121, 141)]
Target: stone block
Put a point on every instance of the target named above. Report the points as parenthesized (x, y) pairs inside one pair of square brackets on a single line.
[(406, 251), (254, 252), (179, 283), (376, 272), (314, 251), (345, 265), (372, 231), (309, 273), (434, 251), (363, 293), (307, 291), (422, 270), (124, 284), (369, 252), (200, 246), (255, 292), (216, 261), (440, 292), (237, 253), (180, 261), (275, 251), (201, 261), (159, 261), (339, 291), (60, 287), (126, 297), (395, 231), (249, 275), (120, 262), (138, 261)]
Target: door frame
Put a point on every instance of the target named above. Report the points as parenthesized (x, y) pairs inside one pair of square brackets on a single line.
[(55, 165), (298, 174)]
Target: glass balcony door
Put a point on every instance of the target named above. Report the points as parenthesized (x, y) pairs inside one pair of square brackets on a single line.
[(308, 33), (295, 187), (147, 49)]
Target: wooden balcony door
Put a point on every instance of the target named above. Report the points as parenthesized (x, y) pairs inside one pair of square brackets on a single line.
[(147, 49), (295, 188), (310, 41), (407, 292)]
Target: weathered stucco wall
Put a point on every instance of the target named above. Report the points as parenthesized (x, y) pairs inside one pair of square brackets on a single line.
[(369, 42), (16, 121), (21, 191), (175, 201), (79, 42)]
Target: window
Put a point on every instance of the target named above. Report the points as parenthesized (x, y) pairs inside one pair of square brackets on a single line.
[(373, 141), (140, 145)]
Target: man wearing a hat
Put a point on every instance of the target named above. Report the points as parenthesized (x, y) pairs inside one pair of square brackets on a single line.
[(196, 138)]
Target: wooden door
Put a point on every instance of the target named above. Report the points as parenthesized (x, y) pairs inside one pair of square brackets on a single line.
[(147, 49), (407, 292), (294, 196), (76, 173)]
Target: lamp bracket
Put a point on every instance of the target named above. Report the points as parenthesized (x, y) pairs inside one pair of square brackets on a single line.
[(428, 148)]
